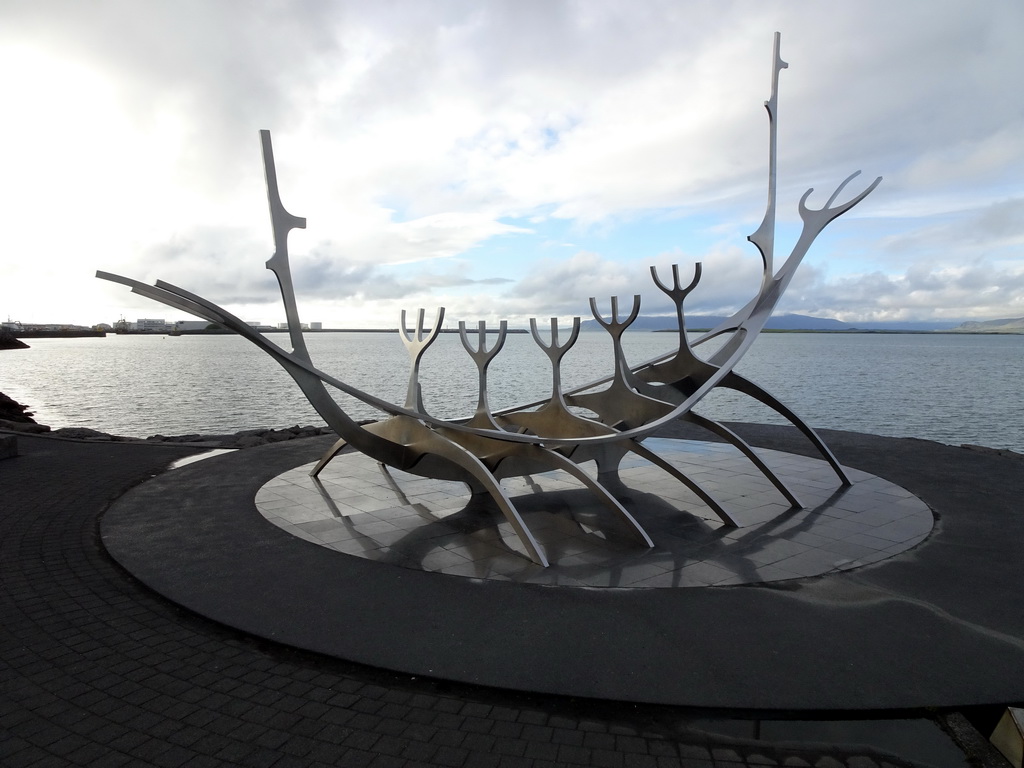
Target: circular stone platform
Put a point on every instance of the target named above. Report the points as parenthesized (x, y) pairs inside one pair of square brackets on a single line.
[(939, 624), (359, 508)]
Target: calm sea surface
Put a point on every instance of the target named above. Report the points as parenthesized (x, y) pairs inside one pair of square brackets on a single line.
[(949, 388)]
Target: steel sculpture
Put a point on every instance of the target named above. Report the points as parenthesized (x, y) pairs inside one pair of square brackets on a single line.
[(631, 404)]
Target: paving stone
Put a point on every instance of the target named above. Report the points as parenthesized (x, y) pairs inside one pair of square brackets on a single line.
[(568, 753), (565, 736), (606, 758), (541, 750), (419, 751), (636, 760), (478, 742), (451, 756), (98, 670)]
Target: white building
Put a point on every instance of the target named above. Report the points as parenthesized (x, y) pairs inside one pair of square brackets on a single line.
[(152, 325), (191, 325)]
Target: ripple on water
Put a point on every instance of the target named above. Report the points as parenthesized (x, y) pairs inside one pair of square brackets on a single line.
[(950, 388)]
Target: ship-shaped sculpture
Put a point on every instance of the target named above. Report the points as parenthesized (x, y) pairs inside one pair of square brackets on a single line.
[(634, 403)]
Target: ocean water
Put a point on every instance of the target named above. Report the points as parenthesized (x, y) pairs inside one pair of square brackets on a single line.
[(950, 388)]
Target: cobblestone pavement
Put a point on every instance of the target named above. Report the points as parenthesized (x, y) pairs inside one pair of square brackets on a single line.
[(95, 670)]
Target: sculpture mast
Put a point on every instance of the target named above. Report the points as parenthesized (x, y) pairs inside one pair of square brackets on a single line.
[(764, 236), (283, 223)]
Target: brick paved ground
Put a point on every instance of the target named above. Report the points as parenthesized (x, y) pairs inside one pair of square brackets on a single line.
[(96, 670)]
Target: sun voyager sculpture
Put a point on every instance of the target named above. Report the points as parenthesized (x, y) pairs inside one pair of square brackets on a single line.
[(632, 404)]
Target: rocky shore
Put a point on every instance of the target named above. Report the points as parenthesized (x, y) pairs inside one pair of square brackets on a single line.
[(14, 413), (248, 438), (15, 417), (9, 341)]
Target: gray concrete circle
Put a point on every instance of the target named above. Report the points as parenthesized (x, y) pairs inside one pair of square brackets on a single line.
[(939, 625), (359, 508)]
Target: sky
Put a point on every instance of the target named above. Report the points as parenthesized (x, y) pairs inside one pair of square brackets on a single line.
[(508, 160)]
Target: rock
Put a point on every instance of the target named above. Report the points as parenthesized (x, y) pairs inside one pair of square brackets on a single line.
[(28, 428), (993, 451), (247, 438), (249, 441), (218, 441), (81, 433), (9, 341), (11, 410)]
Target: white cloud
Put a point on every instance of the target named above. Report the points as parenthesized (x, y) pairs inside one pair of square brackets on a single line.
[(413, 134), (729, 279), (982, 231), (923, 292)]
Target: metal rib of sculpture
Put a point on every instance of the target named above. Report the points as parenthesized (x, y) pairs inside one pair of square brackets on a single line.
[(547, 435)]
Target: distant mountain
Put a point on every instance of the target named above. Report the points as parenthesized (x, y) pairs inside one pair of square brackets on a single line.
[(781, 323), (905, 325), (991, 326), (805, 323), (797, 323)]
